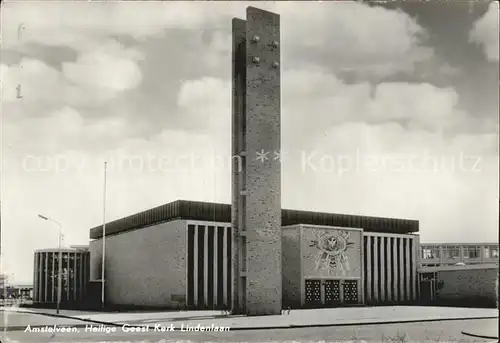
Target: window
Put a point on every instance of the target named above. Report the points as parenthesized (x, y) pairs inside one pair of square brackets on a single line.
[(426, 253), (452, 252), (471, 252), (494, 252), (436, 252), (486, 252), (428, 276), (429, 253)]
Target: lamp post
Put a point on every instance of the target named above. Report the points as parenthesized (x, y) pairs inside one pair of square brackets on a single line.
[(103, 288), (59, 278)]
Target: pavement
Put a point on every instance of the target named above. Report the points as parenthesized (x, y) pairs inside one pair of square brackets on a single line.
[(428, 332), (13, 321), (293, 319), (485, 329)]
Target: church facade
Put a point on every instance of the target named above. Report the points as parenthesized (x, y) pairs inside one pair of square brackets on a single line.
[(179, 256)]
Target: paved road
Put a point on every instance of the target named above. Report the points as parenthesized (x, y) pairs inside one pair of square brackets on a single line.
[(446, 331), (14, 319)]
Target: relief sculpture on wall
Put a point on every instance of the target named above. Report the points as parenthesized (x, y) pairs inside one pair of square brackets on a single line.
[(332, 249)]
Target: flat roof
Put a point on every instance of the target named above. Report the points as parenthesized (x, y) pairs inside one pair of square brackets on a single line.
[(456, 244), (80, 247), (22, 286), (217, 212), (425, 269), (56, 250)]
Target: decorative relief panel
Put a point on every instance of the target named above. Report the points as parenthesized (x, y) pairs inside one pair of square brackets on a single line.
[(331, 252)]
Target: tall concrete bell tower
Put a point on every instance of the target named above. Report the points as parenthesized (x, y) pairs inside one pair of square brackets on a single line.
[(256, 169)]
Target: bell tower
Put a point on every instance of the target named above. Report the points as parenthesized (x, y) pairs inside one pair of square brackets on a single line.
[(256, 172)]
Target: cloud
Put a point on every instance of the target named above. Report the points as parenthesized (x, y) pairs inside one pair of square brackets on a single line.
[(420, 104), (53, 132), (96, 77), (107, 70), (394, 149), (33, 80), (218, 52), (449, 185), (110, 68), (381, 41), (485, 32), (75, 24), (206, 104), (202, 91), (315, 100)]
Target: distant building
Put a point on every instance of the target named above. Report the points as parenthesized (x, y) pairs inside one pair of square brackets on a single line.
[(3, 285), (3, 280), (75, 276), (473, 285), (448, 254), (23, 291)]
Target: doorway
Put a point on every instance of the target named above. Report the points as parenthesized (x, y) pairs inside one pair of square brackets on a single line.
[(428, 288)]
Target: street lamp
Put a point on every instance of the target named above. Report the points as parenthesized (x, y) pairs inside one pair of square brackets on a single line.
[(59, 278), (103, 288)]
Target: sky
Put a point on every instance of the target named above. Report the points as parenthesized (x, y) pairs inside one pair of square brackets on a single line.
[(386, 111)]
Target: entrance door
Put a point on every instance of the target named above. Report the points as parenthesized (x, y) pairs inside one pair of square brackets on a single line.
[(428, 284), (426, 291), (350, 292), (332, 293), (313, 293)]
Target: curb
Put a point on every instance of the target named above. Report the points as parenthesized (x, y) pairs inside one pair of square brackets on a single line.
[(292, 326), (478, 336), (110, 323)]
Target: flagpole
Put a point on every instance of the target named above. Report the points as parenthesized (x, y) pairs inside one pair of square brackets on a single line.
[(103, 237)]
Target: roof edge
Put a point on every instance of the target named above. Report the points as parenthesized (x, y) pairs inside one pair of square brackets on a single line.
[(221, 212)]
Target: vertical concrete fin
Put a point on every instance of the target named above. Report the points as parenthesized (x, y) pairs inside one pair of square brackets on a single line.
[(238, 139)]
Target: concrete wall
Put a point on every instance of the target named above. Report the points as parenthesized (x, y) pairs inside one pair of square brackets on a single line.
[(292, 277), (468, 286), (95, 248), (144, 267)]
